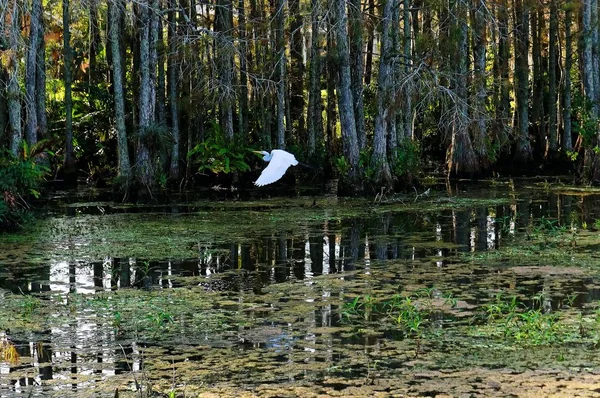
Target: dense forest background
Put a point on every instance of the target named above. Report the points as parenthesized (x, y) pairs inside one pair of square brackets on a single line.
[(146, 93)]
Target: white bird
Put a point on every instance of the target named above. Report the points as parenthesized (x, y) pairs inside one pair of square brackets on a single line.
[(279, 161)]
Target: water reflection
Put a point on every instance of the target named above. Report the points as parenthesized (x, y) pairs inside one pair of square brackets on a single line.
[(87, 345)]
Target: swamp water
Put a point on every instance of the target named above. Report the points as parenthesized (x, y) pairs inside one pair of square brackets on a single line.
[(485, 290)]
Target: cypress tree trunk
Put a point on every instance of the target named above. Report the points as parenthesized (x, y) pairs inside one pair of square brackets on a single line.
[(384, 99), (244, 55), (462, 159), (31, 126), (115, 35), (147, 101), (407, 97), (40, 86), (567, 140), (3, 104), (280, 62), (479, 39), (69, 163), (173, 77), (523, 146), (588, 72), (501, 79), (538, 127), (296, 75), (94, 48), (315, 105), (370, 41), (356, 69), (332, 83), (13, 90), (344, 89), (224, 26), (552, 77)]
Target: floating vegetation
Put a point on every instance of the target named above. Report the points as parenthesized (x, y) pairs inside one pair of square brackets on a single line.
[(349, 298)]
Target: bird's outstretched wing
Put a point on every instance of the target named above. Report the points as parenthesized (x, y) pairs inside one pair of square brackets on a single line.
[(280, 162)]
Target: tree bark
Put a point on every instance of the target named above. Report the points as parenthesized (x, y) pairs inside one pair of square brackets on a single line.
[(567, 140), (315, 103), (552, 77), (501, 79), (479, 114), (296, 75), (523, 145), (370, 41), (94, 47), (147, 101), (172, 78), (356, 69), (123, 170), (40, 87), (407, 96), (537, 125), (344, 89), (462, 159), (13, 90), (244, 55), (281, 64), (224, 26), (69, 162), (379, 160), (31, 126)]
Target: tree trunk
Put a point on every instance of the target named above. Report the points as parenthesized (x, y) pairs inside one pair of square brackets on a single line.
[(462, 159), (567, 140), (356, 69), (552, 77), (40, 87), (31, 132), (523, 145), (3, 103), (281, 63), (161, 90), (13, 90), (479, 116), (94, 48), (588, 76), (538, 127), (224, 25), (502, 82), (407, 96), (147, 101), (244, 55), (344, 89), (123, 170), (315, 105), (296, 74), (173, 77), (370, 41), (332, 83), (69, 163), (384, 99)]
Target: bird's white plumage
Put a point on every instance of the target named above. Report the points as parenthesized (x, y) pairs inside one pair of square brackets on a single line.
[(278, 165)]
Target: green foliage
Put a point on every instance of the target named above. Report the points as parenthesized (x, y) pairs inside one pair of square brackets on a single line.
[(342, 165), (512, 320), (218, 155), (407, 161), (19, 180), (584, 124)]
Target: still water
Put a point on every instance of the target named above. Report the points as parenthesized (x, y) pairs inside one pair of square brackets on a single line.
[(230, 295)]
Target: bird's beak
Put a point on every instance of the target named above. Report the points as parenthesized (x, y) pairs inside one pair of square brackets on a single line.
[(258, 152)]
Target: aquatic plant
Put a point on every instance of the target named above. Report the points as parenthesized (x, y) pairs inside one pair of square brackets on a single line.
[(515, 322)]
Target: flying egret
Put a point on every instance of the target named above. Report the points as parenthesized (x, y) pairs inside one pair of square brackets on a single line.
[(279, 161)]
